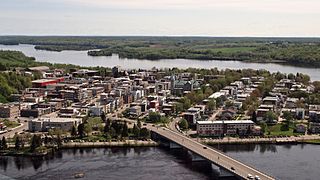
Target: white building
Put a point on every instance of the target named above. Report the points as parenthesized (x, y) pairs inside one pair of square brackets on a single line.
[(45, 124)]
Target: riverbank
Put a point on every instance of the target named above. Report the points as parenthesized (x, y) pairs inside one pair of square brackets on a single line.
[(127, 143), (308, 139)]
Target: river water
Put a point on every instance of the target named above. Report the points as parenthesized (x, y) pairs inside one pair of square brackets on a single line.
[(81, 58), (286, 162)]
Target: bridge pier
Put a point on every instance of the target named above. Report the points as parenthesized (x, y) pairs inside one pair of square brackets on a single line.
[(195, 157), (173, 145), (221, 172)]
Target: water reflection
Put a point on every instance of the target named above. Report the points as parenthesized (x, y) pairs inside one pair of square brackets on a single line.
[(262, 148)]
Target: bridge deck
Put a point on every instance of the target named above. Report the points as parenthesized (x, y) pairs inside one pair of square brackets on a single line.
[(216, 157)]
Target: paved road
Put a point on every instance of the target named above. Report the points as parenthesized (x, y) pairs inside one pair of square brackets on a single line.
[(19, 129), (214, 156)]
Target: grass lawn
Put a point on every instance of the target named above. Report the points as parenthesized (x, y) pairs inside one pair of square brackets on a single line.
[(10, 124), (275, 130)]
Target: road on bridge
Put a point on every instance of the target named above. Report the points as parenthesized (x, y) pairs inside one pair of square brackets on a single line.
[(216, 157)]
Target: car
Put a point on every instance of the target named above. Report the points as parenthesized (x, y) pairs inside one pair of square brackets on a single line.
[(153, 125), (204, 147), (257, 177), (250, 176), (232, 168), (144, 124)]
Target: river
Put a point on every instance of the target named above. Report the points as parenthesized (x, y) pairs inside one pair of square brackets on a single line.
[(285, 162), (81, 58)]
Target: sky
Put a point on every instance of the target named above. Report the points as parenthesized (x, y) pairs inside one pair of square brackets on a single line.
[(265, 18)]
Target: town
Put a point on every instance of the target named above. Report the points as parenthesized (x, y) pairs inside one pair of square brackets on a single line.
[(201, 104)]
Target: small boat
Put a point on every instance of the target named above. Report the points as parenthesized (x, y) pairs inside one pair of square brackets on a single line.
[(79, 175)]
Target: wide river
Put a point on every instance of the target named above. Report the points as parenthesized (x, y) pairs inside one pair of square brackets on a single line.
[(286, 162), (81, 58)]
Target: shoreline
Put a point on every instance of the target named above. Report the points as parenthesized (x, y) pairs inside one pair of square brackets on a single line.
[(128, 143), (314, 139)]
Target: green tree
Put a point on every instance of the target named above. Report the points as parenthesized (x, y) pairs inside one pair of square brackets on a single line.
[(17, 144), (145, 133), (139, 124), (270, 117), (103, 117), (211, 105), (81, 130), (107, 125), (4, 145), (73, 131), (35, 142), (136, 131), (125, 132), (87, 128), (264, 127), (183, 124), (254, 117)]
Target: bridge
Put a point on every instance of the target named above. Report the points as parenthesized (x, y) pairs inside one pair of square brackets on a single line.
[(235, 167)]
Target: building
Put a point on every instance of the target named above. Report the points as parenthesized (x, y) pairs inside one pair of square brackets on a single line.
[(45, 124), (135, 111), (221, 128), (41, 83), (9, 110), (314, 127), (95, 110)]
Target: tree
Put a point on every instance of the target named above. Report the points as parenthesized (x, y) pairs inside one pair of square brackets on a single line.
[(154, 117), (81, 130), (73, 131), (145, 133), (113, 132), (4, 145), (125, 132), (35, 143), (17, 144), (103, 117), (59, 141), (87, 128), (288, 119), (211, 105), (254, 117), (248, 130), (183, 124), (270, 116), (107, 126), (139, 124), (264, 127), (136, 131)]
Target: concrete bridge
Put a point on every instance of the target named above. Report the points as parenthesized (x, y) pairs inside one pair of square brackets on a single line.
[(219, 159)]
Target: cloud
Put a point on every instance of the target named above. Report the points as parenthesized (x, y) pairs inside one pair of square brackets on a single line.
[(278, 6)]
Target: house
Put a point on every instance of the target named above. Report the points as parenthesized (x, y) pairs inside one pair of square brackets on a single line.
[(271, 100), (314, 127), (301, 128), (227, 114)]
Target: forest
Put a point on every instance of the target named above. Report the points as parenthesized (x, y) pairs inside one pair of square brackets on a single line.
[(294, 51)]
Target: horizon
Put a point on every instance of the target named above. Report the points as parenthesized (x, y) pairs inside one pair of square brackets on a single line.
[(204, 18), (164, 36)]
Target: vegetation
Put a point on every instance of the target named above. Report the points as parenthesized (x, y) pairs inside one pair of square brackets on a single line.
[(302, 51), (10, 124), (155, 117), (183, 124)]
